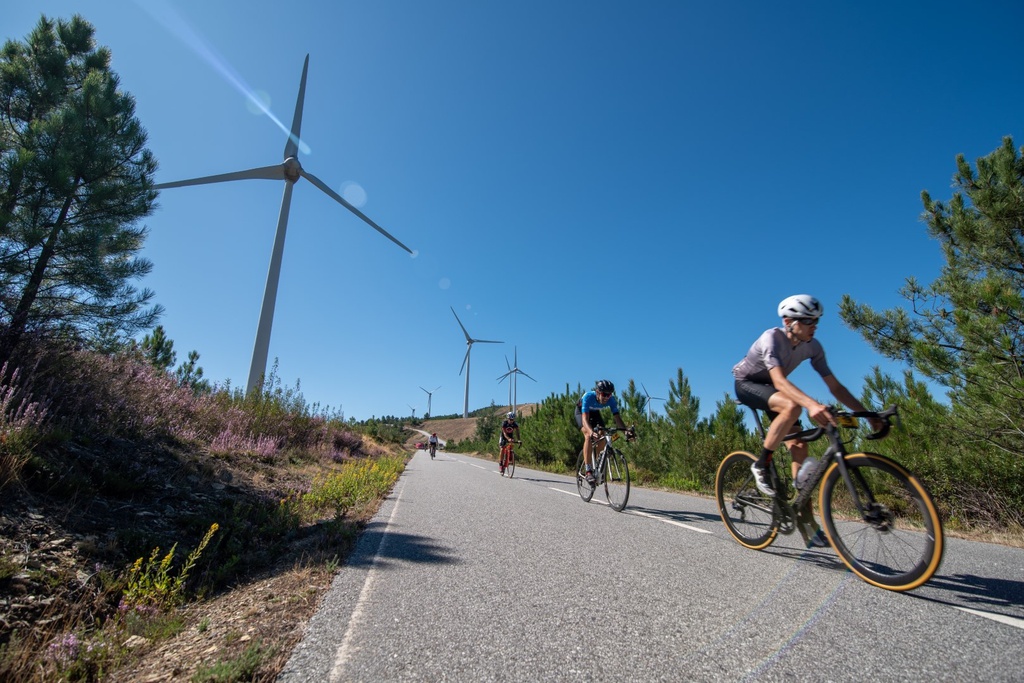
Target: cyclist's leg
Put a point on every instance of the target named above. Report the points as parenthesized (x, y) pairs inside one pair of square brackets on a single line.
[(588, 448), (797, 449), (782, 411)]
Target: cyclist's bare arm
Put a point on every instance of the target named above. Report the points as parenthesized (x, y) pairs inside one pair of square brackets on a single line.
[(844, 396)]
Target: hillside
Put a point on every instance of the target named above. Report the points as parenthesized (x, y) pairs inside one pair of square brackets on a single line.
[(459, 428)]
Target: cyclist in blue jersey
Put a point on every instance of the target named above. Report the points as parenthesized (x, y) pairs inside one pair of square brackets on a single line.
[(588, 417)]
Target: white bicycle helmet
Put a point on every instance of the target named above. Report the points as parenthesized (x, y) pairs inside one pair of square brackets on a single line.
[(800, 306), (510, 415)]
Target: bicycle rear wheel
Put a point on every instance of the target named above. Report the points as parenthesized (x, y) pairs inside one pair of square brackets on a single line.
[(585, 489), (897, 543), (748, 514), (510, 463), (616, 479)]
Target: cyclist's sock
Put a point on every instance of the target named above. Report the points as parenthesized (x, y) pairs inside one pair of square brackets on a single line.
[(764, 458)]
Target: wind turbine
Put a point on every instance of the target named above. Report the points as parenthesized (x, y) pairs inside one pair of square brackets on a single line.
[(429, 394), (514, 371), (465, 361), (413, 411), (290, 170), (650, 412)]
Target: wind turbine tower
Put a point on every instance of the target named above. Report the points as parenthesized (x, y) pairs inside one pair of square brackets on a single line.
[(429, 395), (290, 170), (650, 411), (513, 372), (465, 361)]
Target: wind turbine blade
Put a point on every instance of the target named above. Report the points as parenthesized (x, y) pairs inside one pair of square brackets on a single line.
[(525, 375), (275, 172), (468, 338), (505, 375), (487, 341), (291, 148), (338, 198), (465, 359)]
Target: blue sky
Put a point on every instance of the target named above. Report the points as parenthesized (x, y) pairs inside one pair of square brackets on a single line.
[(613, 189)]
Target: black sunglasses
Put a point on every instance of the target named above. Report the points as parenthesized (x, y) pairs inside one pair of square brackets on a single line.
[(810, 322)]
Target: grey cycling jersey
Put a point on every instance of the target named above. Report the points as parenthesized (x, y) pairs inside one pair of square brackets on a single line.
[(774, 350)]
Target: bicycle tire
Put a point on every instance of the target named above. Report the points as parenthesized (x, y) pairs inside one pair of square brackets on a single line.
[(585, 489), (748, 514), (510, 464), (900, 547), (616, 479)]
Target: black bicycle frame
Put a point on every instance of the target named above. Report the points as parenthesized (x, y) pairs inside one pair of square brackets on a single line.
[(835, 451)]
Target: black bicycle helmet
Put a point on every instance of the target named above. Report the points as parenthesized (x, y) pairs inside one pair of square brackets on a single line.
[(603, 386)]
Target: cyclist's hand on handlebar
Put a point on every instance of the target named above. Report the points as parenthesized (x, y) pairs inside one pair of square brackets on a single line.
[(821, 414), (630, 433)]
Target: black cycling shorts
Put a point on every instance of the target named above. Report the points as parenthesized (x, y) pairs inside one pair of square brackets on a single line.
[(756, 395), (595, 419)]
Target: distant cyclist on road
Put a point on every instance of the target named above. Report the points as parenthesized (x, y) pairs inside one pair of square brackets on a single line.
[(588, 418), (761, 382), (509, 432), (432, 444)]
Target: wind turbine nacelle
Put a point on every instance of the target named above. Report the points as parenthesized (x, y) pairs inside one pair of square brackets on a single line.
[(292, 169)]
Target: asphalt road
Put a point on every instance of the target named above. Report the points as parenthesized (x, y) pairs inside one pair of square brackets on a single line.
[(464, 575)]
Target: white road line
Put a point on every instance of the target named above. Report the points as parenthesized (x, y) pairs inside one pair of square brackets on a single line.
[(1001, 618), (571, 493), (344, 649), (644, 514), (667, 521)]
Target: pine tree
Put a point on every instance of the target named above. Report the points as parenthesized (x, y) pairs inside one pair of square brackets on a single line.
[(965, 331), (158, 349), (75, 180)]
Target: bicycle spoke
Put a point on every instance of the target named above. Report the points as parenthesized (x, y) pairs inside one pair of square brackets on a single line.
[(896, 542), (586, 491), (747, 513), (616, 479)]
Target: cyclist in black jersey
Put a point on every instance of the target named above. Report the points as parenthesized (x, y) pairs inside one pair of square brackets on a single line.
[(509, 432)]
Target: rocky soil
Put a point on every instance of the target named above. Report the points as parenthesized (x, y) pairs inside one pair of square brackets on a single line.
[(55, 551)]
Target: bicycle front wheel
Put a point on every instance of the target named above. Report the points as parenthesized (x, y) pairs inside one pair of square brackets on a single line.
[(748, 514), (585, 489), (895, 539), (510, 464), (616, 479)]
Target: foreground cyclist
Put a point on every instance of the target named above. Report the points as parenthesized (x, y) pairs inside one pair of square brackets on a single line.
[(509, 432), (761, 382), (588, 418)]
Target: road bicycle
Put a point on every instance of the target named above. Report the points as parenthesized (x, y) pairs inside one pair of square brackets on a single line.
[(878, 517), (507, 460), (433, 450), (610, 468)]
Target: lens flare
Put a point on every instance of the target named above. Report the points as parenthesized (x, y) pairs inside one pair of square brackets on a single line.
[(353, 193), (164, 14)]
